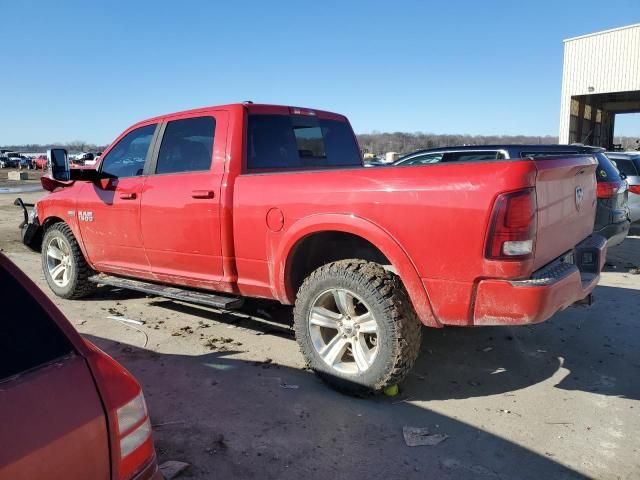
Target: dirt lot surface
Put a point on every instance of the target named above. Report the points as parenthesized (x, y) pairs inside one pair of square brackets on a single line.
[(228, 393)]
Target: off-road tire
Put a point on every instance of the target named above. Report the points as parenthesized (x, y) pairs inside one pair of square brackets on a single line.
[(383, 292), (79, 285)]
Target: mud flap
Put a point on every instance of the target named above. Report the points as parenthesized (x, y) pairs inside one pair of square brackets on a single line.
[(31, 232)]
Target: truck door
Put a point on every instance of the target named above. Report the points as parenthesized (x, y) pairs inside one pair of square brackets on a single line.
[(109, 213), (180, 217)]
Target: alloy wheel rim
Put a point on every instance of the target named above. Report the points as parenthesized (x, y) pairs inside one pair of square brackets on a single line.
[(59, 261), (343, 331)]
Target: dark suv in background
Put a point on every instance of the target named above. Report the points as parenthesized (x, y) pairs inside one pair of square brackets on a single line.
[(612, 214)]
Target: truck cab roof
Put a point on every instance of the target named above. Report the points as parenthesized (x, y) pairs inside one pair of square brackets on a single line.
[(255, 108)]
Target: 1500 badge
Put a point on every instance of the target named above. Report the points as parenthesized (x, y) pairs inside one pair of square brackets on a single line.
[(85, 216)]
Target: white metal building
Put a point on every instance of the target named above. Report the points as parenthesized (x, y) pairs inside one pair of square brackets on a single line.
[(601, 77)]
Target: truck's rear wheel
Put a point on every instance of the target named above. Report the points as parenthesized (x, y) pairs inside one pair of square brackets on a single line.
[(64, 266), (356, 326)]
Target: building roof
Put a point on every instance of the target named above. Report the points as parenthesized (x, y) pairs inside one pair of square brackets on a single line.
[(635, 25)]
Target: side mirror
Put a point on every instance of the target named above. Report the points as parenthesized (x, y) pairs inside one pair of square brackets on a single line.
[(58, 163)]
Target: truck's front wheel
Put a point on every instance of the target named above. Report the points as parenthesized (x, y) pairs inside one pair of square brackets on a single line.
[(356, 326), (64, 266)]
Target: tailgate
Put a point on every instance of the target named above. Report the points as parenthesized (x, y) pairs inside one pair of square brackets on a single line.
[(566, 197)]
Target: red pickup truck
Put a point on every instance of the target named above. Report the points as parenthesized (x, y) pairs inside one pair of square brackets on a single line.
[(247, 200)]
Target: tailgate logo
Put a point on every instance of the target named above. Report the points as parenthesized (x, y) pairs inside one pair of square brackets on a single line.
[(579, 197)]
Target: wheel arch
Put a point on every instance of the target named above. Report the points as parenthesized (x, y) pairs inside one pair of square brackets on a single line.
[(377, 245), (49, 221), (53, 219)]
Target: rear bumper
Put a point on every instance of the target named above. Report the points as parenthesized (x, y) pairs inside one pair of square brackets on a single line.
[(615, 233), (551, 289), (150, 472)]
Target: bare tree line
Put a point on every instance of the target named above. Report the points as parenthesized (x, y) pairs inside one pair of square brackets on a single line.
[(76, 146), (375, 142), (628, 143)]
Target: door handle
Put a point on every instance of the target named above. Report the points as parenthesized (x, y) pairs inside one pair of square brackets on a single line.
[(128, 196), (202, 194)]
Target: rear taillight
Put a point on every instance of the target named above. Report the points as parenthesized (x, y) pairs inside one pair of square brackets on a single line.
[(634, 189), (135, 430), (512, 230), (129, 425), (610, 189)]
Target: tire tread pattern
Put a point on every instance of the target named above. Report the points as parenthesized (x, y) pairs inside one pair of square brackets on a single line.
[(389, 293), (80, 285)]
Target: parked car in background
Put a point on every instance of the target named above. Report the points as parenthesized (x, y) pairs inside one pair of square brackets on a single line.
[(40, 162), (81, 158), (94, 160), (612, 215), (4, 161), (628, 163), (15, 155), (68, 410), (11, 160), (16, 160), (375, 162), (24, 162)]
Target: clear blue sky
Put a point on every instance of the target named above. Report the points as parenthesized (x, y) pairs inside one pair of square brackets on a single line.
[(84, 70)]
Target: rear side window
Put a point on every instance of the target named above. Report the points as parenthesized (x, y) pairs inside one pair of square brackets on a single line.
[(187, 145), (626, 166), (547, 154), (472, 156), (127, 158), (290, 142), (425, 159), (606, 172), (28, 337)]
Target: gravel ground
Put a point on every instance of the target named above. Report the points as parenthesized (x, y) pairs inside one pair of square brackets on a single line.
[(228, 393)]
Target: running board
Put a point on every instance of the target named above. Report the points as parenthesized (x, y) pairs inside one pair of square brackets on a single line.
[(175, 293)]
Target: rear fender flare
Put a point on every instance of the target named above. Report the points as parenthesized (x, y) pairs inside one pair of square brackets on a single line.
[(282, 255)]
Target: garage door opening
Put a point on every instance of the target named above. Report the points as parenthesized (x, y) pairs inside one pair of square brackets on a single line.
[(593, 118)]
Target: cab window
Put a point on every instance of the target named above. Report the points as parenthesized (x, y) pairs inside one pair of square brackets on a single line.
[(187, 145), (295, 142), (127, 158)]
